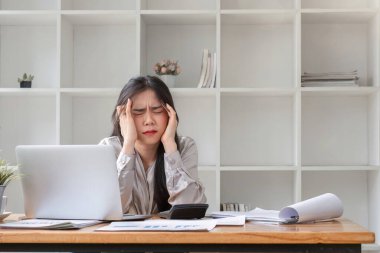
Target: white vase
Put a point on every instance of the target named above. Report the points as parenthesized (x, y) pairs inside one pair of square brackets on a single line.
[(2, 203), (169, 80)]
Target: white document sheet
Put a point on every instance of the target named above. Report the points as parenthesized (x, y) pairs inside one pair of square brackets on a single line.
[(324, 207), (231, 221), (50, 224), (160, 225)]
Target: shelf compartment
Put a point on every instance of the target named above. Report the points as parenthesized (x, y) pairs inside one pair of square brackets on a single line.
[(179, 17), (178, 92), (98, 4), (341, 168), (335, 130), (335, 16), (338, 4), (258, 91), (338, 91), (178, 5), (350, 187), (257, 130), (325, 47), (99, 18), (258, 168), (81, 113), (258, 50), (197, 116), (256, 4), (27, 92), (94, 47), (208, 179), (26, 120), (28, 4), (250, 186), (36, 56), (91, 92), (257, 18), (184, 40), (27, 18)]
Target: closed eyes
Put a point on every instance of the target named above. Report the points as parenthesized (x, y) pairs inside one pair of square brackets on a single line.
[(154, 109)]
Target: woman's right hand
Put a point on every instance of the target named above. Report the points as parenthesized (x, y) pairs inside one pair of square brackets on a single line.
[(127, 127)]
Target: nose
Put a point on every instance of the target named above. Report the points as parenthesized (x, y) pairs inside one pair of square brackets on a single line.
[(148, 120)]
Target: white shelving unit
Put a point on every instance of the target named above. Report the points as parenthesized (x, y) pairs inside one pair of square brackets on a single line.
[(263, 140)]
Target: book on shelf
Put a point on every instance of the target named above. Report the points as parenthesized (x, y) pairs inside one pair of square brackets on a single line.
[(330, 84), (234, 207), (50, 224), (208, 71), (207, 77), (330, 79), (354, 72), (323, 207), (203, 68), (214, 68)]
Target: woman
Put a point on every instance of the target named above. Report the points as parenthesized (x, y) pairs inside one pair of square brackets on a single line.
[(156, 168)]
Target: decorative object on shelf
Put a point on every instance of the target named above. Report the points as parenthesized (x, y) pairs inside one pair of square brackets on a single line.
[(26, 81), (208, 70), (169, 80), (167, 70), (7, 174)]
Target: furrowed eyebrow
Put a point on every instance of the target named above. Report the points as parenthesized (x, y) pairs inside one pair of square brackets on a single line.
[(139, 110), (144, 109)]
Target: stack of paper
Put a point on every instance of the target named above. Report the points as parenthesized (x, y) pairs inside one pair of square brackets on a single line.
[(231, 221), (161, 225), (330, 79), (256, 214), (323, 207), (50, 224)]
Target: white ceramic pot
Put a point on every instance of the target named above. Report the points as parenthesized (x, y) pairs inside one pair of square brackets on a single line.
[(2, 203), (169, 80)]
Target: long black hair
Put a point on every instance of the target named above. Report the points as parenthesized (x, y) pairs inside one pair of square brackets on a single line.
[(135, 86)]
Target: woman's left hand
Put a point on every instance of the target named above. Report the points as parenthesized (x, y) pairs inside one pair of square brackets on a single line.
[(168, 138)]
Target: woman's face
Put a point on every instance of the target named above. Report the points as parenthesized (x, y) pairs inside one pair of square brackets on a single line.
[(150, 117)]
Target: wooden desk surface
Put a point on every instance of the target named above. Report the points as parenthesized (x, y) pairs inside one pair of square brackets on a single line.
[(341, 231)]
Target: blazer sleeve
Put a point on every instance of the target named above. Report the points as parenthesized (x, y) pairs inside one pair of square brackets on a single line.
[(181, 170), (126, 173)]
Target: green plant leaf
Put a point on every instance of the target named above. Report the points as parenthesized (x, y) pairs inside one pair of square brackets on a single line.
[(7, 174)]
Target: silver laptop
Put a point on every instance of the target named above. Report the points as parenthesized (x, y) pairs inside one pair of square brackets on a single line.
[(70, 182)]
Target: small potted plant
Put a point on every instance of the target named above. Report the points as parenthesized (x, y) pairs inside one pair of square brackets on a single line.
[(26, 81), (167, 70)]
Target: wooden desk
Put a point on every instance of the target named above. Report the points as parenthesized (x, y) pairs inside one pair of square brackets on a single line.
[(336, 236)]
